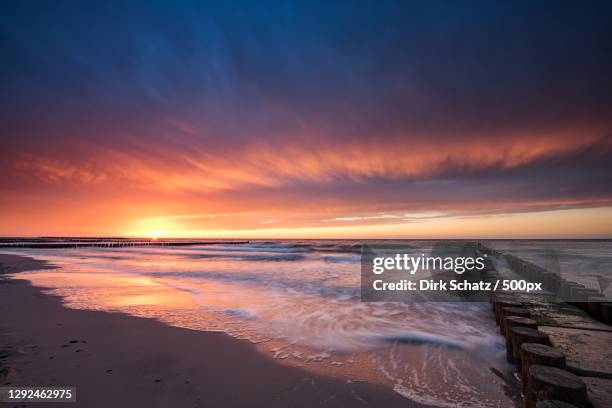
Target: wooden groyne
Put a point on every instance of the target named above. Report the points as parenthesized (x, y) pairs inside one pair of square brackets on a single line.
[(561, 354), (590, 300), (108, 243)]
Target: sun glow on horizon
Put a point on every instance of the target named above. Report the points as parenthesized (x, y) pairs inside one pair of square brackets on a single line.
[(155, 235), (577, 223)]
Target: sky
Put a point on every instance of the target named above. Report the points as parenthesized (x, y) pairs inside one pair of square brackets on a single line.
[(342, 119)]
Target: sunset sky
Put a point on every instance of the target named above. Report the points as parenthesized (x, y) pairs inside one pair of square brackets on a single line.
[(340, 119)]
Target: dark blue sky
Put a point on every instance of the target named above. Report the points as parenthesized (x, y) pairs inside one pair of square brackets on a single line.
[(373, 64)]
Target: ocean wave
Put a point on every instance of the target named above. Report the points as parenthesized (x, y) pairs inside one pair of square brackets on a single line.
[(255, 248), (341, 259), (421, 338), (316, 286), (250, 257)]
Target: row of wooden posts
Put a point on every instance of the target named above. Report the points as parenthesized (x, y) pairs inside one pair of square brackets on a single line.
[(546, 382), (591, 300), (109, 244), (541, 366)]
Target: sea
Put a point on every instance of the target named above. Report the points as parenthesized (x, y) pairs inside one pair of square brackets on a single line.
[(298, 301)]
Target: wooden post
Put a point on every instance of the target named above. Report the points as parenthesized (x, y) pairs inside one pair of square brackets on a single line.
[(582, 295), (606, 313), (515, 321), (566, 290), (551, 383), (503, 303), (511, 311), (571, 293), (540, 354), (595, 306), (576, 295), (545, 278), (498, 297), (520, 335), (556, 283)]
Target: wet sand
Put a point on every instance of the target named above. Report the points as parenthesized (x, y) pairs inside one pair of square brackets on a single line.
[(118, 360)]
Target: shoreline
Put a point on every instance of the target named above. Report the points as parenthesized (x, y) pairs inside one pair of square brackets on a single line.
[(115, 359)]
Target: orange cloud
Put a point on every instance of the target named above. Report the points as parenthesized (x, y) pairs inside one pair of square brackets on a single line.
[(168, 168), (266, 188)]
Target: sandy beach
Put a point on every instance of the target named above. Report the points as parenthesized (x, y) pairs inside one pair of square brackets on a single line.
[(117, 360)]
